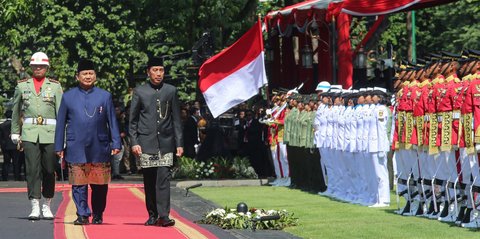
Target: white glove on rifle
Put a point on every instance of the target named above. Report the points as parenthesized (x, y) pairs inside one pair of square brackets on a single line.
[(15, 138), (381, 154), (477, 148)]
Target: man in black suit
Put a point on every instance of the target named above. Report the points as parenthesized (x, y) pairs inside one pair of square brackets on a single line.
[(254, 143), (9, 149), (155, 135)]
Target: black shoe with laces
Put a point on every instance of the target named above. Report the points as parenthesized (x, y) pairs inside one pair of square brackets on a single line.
[(81, 220), (152, 220), (97, 219), (165, 222)]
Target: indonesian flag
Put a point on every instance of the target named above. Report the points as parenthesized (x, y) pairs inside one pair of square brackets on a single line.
[(235, 74)]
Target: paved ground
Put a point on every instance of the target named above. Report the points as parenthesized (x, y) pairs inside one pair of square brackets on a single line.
[(15, 207)]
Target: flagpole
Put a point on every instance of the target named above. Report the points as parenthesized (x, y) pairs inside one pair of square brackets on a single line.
[(267, 90)]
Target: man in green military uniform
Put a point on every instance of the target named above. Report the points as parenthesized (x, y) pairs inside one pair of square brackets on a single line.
[(35, 106)]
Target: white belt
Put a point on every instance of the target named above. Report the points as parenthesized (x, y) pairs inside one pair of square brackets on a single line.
[(426, 117), (439, 118), (456, 115), (40, 121)]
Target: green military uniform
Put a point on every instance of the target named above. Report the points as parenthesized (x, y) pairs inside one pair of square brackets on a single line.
[(293, 139), (310, 131), (288, 121), (34, 119)]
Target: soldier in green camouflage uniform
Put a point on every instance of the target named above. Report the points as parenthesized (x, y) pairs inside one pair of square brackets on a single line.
[(35, 107)]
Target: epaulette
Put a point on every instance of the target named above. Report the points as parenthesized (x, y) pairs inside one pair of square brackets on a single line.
[(22, 80), (424, 83), (467, 77), (413, 83), (54, 81)]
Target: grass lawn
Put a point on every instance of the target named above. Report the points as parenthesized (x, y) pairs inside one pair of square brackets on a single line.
[(321, 217)]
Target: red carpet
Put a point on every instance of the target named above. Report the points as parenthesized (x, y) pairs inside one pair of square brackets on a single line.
[(123, 218)]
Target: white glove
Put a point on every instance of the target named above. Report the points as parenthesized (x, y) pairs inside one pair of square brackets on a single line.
[(414, 147), (477, 148), (381, 154), (15, 138)]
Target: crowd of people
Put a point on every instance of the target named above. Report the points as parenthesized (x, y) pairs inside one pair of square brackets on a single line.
[(339, 139)]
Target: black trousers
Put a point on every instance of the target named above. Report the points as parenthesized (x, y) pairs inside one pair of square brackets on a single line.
[(11, 157), (40, 160), (156, 182)]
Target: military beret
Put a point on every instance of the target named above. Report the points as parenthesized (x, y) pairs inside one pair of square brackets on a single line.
[(474, 54), (448, 56), (435, 57), (84, 65)]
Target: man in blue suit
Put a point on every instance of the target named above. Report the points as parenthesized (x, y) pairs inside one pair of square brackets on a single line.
[(86, 119)]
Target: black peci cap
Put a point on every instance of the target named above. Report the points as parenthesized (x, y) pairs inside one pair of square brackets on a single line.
[(154, 61), (85, 65)]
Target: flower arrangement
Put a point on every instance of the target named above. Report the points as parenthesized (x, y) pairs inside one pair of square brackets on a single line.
[(228, 218), (204, 170), (214, 168)]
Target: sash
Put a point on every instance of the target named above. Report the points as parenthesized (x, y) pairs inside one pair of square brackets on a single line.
[(432, 139), (447, 120), (467, 123)]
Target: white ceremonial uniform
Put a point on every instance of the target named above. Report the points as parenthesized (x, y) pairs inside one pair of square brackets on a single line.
[(320, 127), (327, 150), (359, 156), (341, 166), (348, 159), (382, 115), (336, 173)]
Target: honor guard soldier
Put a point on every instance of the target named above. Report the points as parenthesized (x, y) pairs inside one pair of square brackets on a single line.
[(37, 100), (471, 115), (448, 118), (465, 153)]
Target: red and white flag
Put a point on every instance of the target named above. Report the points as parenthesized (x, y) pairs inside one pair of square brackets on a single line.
[(235, 74)]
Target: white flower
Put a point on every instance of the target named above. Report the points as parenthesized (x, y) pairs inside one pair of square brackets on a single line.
[(249, 214), (205, 170), (210, 171), (241, 213), (233, 210), (271, 212), (201, 164), (217, 212), (230, 216)]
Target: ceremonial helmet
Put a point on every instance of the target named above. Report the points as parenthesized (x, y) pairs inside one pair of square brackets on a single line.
[(323, 86), (242, 207), (39, 58)]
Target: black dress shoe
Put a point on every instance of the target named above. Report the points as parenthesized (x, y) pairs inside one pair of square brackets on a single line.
[(165, 222), (81, 220), (152, 220), (97, 219)]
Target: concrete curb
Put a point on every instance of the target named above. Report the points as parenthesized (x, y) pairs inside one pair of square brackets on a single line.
[(224, 183)]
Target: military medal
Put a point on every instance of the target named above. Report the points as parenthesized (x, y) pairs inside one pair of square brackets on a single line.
[(100, 110)]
